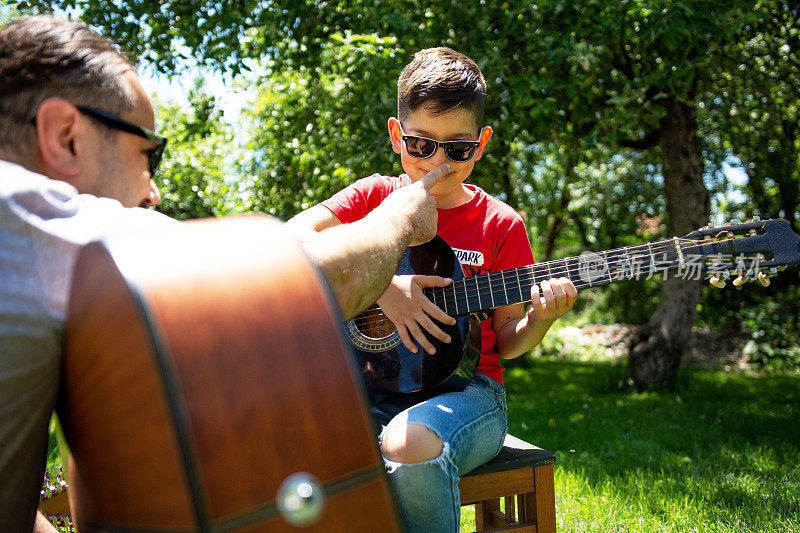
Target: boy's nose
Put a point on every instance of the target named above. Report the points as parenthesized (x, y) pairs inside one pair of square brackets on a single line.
[(439, 157)]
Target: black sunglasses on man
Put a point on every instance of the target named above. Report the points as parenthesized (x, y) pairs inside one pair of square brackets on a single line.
[(117, 123)]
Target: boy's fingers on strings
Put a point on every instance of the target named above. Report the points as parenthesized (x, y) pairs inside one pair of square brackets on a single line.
[(425, 321), (406, 338), (559, 293), (571, 291), (421, 338), (430, 179), (436, 312), (429, 307), (543, 300), (548, 295)]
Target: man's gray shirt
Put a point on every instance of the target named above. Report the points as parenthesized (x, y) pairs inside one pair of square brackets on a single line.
[(43, 224)]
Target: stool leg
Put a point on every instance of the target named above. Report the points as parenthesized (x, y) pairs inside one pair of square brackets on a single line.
[(544, 499), (483, 513), (510, 509)]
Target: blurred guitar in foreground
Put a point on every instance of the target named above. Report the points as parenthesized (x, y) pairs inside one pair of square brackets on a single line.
[(208, 386)]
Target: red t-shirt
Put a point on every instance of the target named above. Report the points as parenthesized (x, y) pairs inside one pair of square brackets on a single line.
[(486, 234)]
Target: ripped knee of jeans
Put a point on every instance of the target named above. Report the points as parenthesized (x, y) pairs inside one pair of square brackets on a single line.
[(410, 443)]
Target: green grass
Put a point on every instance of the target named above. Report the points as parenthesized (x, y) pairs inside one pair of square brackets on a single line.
[(717, 451)]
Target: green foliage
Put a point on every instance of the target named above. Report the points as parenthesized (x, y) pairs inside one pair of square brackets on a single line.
[(773, 329), (198, 176), (314, 130), (8, 12), (769, 316), (752, 113)]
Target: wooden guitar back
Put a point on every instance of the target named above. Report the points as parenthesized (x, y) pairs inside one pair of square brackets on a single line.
[(204, 366)]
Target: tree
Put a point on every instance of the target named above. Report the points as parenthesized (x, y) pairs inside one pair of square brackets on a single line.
[(198, 176), (755, 110), (624, 75)]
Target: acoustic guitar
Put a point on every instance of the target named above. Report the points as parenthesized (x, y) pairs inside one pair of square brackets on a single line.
[(208, 386), (739, 252)]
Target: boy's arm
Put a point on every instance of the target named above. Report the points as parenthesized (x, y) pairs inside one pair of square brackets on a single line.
[(518, 331), (315, 218)]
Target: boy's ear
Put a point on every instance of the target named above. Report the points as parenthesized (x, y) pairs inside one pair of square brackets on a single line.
[(486, 134), (394, 134)]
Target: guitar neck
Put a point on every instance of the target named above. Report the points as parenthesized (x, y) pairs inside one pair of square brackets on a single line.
[(496, 289)]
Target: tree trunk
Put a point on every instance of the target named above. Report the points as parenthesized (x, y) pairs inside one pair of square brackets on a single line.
[(657, 355)]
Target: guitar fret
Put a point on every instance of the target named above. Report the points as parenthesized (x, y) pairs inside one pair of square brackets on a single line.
[(607, 266), (628, 263), (491, 290), (575, 278)]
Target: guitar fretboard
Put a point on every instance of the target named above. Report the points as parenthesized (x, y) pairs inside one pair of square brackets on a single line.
[(496, 289)]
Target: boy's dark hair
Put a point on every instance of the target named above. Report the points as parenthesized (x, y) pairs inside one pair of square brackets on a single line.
[(441, 79), (42, 57)]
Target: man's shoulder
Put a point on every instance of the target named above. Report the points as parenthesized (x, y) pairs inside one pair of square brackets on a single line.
[(55, 207), (16, 179)]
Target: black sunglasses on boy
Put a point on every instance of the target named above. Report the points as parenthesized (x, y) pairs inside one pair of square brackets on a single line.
[(457, 151)]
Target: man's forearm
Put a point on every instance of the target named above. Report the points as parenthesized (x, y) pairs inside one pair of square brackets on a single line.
[(359, 259)]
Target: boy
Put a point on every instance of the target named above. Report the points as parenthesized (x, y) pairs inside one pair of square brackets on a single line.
[(427, 443)]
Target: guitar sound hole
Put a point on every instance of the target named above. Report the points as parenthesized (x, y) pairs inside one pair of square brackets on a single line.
[(373, 324)]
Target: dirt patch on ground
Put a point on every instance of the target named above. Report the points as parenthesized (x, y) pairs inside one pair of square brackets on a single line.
[(707, 349)]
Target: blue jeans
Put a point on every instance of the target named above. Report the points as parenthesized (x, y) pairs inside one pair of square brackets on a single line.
[(472, 425)]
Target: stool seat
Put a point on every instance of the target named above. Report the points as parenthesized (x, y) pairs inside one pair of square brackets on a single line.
[(522, 475)]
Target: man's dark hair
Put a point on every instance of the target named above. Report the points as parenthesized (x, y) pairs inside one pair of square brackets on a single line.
[(441, 79), (42, 57)]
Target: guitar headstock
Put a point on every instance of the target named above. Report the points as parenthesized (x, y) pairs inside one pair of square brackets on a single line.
[(752, 250)]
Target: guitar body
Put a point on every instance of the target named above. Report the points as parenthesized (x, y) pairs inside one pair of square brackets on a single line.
[(388, 366), (205, 372)]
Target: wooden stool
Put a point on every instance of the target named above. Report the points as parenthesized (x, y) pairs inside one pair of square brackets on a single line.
[(522, 475)]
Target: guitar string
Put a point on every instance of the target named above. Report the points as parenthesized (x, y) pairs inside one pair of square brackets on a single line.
[(558, 267), (561, 266)]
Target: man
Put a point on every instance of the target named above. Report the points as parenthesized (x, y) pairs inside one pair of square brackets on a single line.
[(77, 158)]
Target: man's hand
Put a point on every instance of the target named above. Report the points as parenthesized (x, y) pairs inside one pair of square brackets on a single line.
[(415, 205), (409, 309)]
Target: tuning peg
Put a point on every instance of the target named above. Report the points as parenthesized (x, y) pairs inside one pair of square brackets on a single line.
[(717, 282), (738, 282), (763, 279)]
